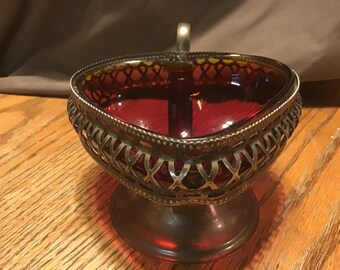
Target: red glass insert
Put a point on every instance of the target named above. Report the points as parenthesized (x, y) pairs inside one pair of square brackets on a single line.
[(185, 101)]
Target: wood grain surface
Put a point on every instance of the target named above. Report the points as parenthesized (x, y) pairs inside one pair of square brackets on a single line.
[(54, 198)]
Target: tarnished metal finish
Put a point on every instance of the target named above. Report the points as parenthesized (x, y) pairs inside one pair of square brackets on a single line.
[(183, 233), (152, 74), (187, 181), (137, 157)]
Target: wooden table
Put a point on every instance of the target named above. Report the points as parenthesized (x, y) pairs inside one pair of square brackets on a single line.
[(54, 198)]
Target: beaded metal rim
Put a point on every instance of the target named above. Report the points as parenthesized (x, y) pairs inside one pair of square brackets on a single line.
[(269, 134), (226, 137)]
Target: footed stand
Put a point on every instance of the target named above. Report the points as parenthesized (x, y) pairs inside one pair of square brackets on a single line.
[(188, 131), (184, 233)]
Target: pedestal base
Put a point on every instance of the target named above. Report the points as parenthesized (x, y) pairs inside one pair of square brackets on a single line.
[(185, 233)]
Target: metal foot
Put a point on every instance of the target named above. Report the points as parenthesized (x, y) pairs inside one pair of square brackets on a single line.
[(184, 233)]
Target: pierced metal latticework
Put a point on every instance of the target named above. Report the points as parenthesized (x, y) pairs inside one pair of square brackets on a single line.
[(211, 169), (103, 85)]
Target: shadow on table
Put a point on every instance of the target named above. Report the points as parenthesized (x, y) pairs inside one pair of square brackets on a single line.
[(100, 186)]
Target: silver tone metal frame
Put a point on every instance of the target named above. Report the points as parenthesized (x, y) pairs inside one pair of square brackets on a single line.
[(264, 135)]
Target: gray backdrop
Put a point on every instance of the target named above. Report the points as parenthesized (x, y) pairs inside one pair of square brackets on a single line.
[(42, 42)]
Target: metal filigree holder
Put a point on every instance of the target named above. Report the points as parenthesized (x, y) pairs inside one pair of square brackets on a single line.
[(184, 220), (189, 232)]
